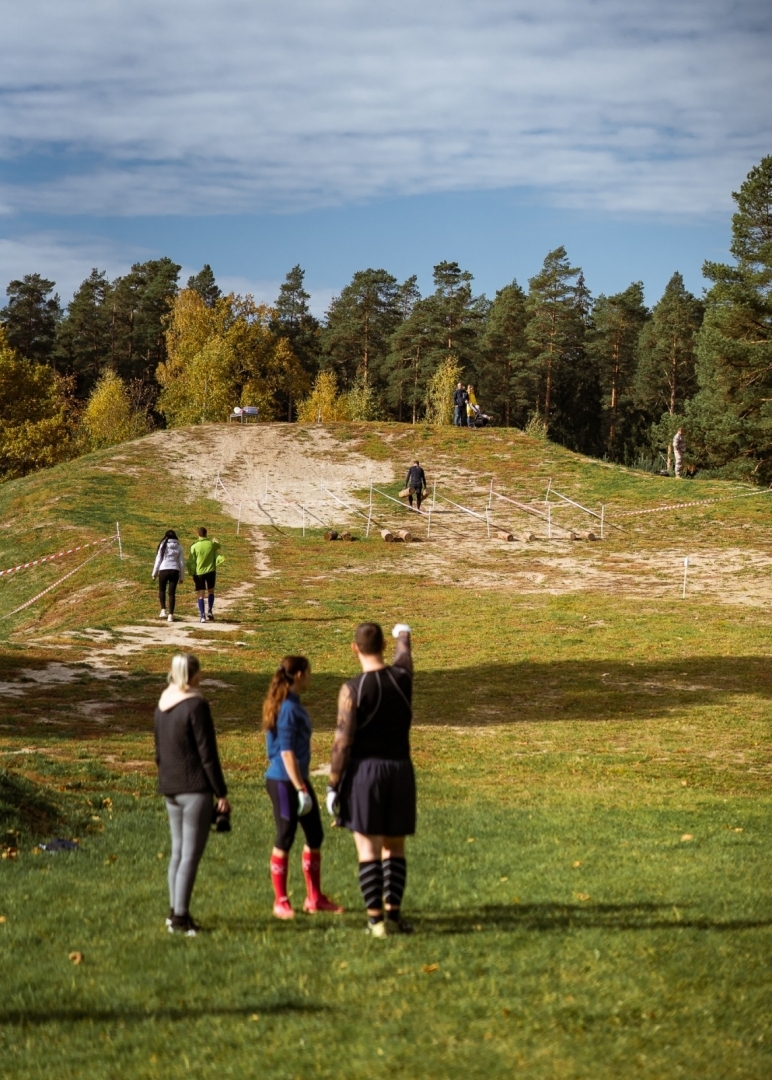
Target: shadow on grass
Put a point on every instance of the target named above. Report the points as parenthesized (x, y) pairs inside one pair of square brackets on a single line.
[(529, 691), (550, 917), (24, 1017), (24, 807)]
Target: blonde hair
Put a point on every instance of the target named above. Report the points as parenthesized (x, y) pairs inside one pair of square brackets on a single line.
[(280, 686), (185, 666)]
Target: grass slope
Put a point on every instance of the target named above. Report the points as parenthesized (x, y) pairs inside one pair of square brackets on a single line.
[(590, 877)]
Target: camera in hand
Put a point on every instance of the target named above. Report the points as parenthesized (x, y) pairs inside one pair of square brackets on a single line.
[(221, 820)]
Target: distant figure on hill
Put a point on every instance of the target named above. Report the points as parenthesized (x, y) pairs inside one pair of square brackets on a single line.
[(190, 778), (471, 406), (203, 561), (415, 482), (679, 449), (169, 568), (460, 398)]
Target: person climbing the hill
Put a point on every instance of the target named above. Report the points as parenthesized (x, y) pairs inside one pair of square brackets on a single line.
[(472, 408), (169, 568), (190, 778), (415, 482), (459, 404), (372, 784), (203, 560), (287, 728)]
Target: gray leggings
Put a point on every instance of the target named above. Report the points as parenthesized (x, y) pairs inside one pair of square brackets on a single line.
[(190, 817)]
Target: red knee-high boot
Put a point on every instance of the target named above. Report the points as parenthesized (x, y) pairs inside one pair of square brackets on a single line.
[(315, 899), (282, 908)]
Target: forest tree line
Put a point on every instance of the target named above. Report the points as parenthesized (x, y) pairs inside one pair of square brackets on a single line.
[(607, 375)]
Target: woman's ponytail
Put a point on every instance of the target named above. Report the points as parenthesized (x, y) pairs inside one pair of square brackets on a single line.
[(281, 684)]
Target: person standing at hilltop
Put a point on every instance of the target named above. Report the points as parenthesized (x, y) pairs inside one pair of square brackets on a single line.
[(415, 482), (460, 398), (203, 560), (169, 568)]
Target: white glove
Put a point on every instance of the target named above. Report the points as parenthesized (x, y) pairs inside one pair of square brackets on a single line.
[(400, 628), (332, 802), (305, 803)]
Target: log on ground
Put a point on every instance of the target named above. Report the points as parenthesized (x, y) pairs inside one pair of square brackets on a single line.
[(387, 535)]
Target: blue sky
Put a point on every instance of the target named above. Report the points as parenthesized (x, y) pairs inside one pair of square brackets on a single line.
[(342, 135)]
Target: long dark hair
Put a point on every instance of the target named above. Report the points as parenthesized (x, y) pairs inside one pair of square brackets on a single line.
[(281, 684), (170, 534)]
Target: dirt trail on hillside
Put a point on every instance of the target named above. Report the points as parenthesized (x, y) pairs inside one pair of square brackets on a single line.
[(272, 472)]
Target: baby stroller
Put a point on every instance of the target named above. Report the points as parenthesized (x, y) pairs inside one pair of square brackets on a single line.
[(479, 418)]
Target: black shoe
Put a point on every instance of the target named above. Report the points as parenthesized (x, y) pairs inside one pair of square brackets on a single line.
[(184, 924), (399, 926), (210, 616)]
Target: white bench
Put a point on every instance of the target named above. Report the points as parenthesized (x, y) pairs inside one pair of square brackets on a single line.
[(245, 415)]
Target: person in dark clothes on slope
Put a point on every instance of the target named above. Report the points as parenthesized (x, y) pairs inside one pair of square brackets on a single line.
[(460, 398), (372, 784), (415, 482), (190, 777)]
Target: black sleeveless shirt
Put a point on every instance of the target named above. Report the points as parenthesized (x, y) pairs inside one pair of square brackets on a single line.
[(384, 712)]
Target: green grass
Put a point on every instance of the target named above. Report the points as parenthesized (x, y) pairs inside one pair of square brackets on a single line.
[(565, 746)]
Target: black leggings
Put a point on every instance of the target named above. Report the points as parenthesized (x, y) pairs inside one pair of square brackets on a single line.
[(285, 811), (170, 578)]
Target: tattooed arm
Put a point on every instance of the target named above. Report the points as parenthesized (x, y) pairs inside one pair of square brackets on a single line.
[(344, 734)]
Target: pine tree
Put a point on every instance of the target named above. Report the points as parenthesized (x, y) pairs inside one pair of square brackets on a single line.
[(613, 343), (732, 412), (294, 321), (409, 363), (31, 317), (506, 376), (456, 317), (84, 338), (665, 378), (550, 329), (359, 325), (141, 303), (204, 284)]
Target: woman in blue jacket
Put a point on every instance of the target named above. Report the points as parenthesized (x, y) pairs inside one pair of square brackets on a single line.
[(287, 728)]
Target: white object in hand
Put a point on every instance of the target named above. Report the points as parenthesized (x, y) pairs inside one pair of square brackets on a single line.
[(305, 803), (332, 802), (400, 628)]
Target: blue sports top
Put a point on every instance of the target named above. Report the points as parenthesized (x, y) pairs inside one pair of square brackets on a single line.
[(292, 732)]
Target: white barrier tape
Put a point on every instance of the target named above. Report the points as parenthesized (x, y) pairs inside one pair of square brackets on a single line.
[(698, 502), (21, 607), (58, 555)]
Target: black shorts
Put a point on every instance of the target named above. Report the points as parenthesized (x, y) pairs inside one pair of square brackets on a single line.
[(285, 812), (205, 581), (378, 798)]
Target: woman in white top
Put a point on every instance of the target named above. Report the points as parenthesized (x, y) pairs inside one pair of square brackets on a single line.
[(169, 568)]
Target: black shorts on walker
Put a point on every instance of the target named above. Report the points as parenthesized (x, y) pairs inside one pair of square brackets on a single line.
[(378, 798), (205, 582)]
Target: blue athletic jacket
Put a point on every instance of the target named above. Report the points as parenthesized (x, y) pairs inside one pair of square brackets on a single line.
[(292, 732)]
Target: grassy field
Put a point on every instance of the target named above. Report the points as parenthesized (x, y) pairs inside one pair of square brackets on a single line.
[(590, 880)]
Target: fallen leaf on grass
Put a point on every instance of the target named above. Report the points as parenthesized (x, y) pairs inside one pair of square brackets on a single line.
[(477, 926), (505, 1012), (430, 968), (254, 1016), (3, 918), (576, 864), (110, 859), (504, 879), (160, 855), (471, 840), (10, 852), (583, 896), (76, 957), (686, 836)]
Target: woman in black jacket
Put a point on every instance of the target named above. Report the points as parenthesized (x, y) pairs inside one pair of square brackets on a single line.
[(189, 775)]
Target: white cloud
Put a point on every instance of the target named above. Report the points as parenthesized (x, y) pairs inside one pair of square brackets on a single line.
[(192, 107)]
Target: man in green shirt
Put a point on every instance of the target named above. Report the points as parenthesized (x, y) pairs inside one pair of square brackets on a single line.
[(202, 565)]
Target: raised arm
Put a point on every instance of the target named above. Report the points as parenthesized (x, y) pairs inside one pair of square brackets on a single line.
[(344, 734), (403, 657)]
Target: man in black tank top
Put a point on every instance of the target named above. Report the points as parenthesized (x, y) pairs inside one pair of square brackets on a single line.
[(372, 784)]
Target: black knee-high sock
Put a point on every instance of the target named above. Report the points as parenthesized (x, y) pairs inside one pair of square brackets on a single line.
[(371, 883), (394, 878)]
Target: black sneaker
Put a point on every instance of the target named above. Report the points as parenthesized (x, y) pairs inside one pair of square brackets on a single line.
[(399, 926), (210, 616), (184, 924)]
